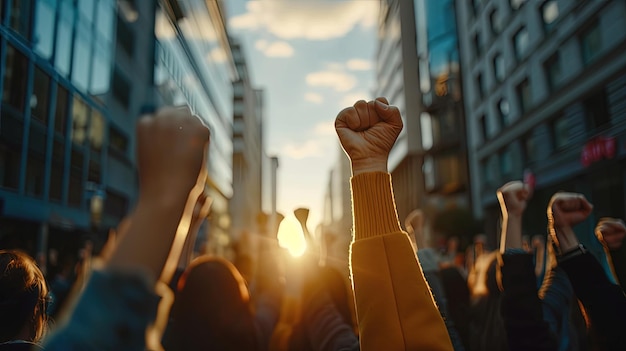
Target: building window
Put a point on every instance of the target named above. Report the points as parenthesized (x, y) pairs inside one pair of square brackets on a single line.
[(597, 111), (477, 45), (475, 7), (39, 99), (56, 171), (63, 45), (96, 131), (590, 43), (80, 117), (520, 43), (530, 149), (560, 132), (516, 4), (495, 22), (549, 14), (480, 82), (552, 67), (21, 14), (35, 171), (487, 174), (117, 140), (60, 113), (44, 28), (523, 95), (498, 67), (14, 89), (482, 120), (121, 89), (125, 36), (504, 110), (81, 65), (10, 157), (506, 163)]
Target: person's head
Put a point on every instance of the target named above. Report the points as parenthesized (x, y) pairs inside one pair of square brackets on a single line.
[(23, 298), (212, 309)]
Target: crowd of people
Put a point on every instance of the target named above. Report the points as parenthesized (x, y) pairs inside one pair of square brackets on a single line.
[(147, 292)]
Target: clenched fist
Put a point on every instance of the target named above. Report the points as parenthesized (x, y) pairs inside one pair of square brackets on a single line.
[(565, 211), (367, 132), (513, 197), (612, 232), (171, 149)]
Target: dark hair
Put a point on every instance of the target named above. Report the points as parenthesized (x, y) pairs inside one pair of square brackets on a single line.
[(23, 297), (212, 309)]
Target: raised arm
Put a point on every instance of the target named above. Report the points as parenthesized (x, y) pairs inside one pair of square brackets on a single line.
[(604, 302), (119, 300), (395, 308), (521, 306)]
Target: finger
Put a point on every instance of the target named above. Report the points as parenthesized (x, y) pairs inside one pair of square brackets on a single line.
[(363, 115), (387, 113), (347, 118), (373, 115), (383, 100)]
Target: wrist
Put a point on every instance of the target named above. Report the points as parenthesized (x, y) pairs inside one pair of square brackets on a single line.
[(566, 238), (368, 166)]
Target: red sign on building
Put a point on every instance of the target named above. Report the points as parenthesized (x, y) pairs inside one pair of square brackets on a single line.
[(598, 148)]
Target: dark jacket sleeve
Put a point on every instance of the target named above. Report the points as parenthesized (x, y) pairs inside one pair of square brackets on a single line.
[(325, 328), (521, 306), (604, 302)]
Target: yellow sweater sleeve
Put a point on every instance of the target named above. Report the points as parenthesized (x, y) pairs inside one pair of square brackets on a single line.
[(395, 308)]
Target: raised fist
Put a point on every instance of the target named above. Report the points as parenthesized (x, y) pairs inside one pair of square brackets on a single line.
[(171, 152), (568, 209), (367, 132), (513, 197), (611, 231)]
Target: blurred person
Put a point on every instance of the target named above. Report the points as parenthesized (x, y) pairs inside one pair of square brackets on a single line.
[(326, 323), (604, 302), (522, 310), (394, 305), (23, 302), (611, 233), (430, 261), (119, 300), (212, 309)]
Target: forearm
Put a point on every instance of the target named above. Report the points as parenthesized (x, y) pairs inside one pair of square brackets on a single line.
[(149, 239), (388, 282), (521, 307), (511, 231)]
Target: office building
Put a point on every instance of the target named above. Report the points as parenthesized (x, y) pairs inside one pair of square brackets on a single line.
[(67, 165), (418, 71), (545, 92)]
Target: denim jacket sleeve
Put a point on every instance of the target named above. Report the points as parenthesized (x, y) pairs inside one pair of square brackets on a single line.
[(112, 313)]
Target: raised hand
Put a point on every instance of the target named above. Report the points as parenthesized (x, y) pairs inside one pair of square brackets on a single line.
[(513, 197), (611, 231), (171, 147), (367, 132), (565, 210)]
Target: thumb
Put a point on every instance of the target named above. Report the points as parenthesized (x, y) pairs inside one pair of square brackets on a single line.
[(386, 112)]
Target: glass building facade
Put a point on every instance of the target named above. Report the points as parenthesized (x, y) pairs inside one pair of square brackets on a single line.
[(65, 119)]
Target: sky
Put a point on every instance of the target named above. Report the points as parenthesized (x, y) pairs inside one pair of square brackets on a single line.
[(312, 58)]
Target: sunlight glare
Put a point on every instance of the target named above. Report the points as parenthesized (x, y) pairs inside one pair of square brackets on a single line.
[(291, 237)]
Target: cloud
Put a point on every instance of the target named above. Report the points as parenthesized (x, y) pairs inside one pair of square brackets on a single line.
[(337, 80), (307, 19), (350, 99), (314, 98), (359, 65), (325, 128), (275, 49)]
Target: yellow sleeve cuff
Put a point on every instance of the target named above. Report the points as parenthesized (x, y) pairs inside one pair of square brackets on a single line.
[(373, 207)]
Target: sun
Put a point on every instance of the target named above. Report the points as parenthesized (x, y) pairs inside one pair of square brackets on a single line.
[(291, 237)]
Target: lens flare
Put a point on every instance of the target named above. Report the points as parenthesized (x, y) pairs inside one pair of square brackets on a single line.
[(291, 237)]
